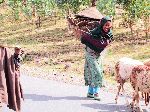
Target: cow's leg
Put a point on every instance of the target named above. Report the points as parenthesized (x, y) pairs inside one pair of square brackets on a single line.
[(122, 86), (143, 94), (136, 97), (123, 91), (119, 81), (146, 99), (138, 106), (119, 88), (0, 106)]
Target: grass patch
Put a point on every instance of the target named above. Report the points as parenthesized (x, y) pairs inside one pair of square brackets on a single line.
[(52, 48)]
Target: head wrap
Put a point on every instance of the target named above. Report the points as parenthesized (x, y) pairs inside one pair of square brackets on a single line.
[(98, 32), (104, 20)]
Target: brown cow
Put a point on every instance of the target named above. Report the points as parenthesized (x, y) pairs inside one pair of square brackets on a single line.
[(134, 70)]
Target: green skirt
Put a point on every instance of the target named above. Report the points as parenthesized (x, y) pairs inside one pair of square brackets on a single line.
[(93, 72)]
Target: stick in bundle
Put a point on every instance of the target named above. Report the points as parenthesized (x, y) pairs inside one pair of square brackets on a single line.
[(81, 26)]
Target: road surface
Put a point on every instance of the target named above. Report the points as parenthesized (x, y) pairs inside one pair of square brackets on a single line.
[(50, 96)]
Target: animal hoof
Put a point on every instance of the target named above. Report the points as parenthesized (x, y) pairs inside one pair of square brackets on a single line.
[(138, 109), (131, 105), (116, 100)]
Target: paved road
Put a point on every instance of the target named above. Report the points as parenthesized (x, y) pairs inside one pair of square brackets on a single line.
[(51, 96)]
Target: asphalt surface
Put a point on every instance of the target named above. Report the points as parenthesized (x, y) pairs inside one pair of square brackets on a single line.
[(50, 96)]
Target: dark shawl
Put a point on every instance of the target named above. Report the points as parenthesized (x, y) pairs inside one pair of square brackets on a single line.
[(99, 33), (10, 87), (97, 39)]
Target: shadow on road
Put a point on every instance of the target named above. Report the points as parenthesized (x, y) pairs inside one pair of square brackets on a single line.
[(36, 97), (108, 107)]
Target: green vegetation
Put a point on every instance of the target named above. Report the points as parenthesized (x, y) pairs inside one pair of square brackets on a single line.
[(40, 28)]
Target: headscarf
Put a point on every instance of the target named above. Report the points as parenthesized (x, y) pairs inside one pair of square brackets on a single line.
[(98, 32)]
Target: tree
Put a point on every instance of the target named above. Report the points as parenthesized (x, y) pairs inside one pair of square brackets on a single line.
[(74, 5), (2, 1), (106, 7), (135, 9), (32, 9)]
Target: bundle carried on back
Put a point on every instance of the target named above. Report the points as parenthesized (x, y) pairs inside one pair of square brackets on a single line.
[(86, 20), (87, 25)]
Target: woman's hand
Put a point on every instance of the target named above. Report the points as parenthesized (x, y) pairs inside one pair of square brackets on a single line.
[(77, 32)]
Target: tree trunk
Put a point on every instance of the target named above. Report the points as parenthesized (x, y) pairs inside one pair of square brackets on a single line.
[(146, 21), (38, 22), (24, 2), (93, 3), (113, 23), (55, 17), (2, 1), (131, 29), (33, 10)]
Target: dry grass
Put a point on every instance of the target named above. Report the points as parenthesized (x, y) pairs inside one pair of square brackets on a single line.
[(51, 47)]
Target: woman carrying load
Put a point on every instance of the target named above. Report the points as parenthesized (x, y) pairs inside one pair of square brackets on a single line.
[(96, 41)]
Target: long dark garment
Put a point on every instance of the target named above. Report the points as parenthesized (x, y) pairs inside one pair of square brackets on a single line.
[(10, 87)]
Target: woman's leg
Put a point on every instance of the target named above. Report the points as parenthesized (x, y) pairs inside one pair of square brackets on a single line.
[(90, 92), (96, 90), (96, 93)]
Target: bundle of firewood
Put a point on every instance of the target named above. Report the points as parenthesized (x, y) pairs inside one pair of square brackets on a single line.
[(84, 21)]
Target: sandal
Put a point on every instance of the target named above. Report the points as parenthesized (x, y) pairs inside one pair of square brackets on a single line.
[(96, 97), (89, 95)]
